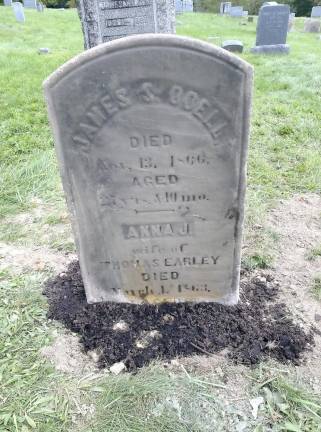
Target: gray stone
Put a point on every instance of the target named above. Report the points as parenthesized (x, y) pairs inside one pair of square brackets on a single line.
[(236, 11), (7, 2), (291, 22), (233, 45), (312, 25), (40, 7), (153, 166), (30, 4), (225, 8), (245, 14), (272, 28), (106, 20), (183, 6), (18, 11), (316, 12), (43, 51)]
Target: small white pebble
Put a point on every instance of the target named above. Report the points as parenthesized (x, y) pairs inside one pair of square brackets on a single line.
[(116, 368)]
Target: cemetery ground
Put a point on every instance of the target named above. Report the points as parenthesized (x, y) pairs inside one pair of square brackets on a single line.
[(47, 383)]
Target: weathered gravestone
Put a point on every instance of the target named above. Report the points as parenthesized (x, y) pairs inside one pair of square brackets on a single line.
[(312, 25), (7, 2), (153, 166), (105, 20), (30, 4), (188, 5), (291, 22), (18, 11), (236, 11), (316, 12), (40, 7), (225, 8), (183, 6), (233, 45), (272, 28)]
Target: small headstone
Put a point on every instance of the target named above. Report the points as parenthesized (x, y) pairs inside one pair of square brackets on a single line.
[(236, 11), (43, 51), (18, 11), (153, 166), (225, 8), (316, 12), (7, 2), (105, 20), (312, 25), (40, 7), (291, 22), (188, 5), (245, 14), (233, 45), (272, 28), (30, 4)]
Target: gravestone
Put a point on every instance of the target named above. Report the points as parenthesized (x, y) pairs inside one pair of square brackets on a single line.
[(236, 11), (153, 166), (316, 12), (272, 28), (7, 2), (245, 14), (291, 22), (233, 45), (18, 11), (105, 20), (225, 8), (40, 7), (30, 4), (312, 25), (188, 5)]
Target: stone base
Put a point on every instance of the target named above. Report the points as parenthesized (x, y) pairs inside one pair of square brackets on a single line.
[(271, 49)]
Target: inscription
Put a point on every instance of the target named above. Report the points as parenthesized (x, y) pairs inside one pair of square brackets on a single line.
[(173, 229), (119, 22), (120, 4), (213, 117)]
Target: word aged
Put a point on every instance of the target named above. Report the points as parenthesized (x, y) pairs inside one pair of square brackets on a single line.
[(153, 167)]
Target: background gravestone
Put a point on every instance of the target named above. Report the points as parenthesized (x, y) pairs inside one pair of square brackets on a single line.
[(30, 4), (233, 45), (153, 166), (225, 8), (291, 22), (312, 25), (316, 12), (105, 20), (18, 11), (7, 2), (272, 28), (236, 11)]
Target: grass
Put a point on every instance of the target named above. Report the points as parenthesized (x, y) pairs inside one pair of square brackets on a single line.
[(316, 288), (284, 159)]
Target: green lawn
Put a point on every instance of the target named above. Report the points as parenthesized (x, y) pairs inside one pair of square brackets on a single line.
[(284, 158)]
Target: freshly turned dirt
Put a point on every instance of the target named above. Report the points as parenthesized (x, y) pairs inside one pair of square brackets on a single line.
[(255, 328)]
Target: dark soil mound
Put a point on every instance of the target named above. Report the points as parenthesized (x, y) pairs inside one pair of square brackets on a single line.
[(255, 328)]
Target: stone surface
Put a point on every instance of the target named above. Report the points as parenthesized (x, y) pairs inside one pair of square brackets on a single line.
[(106, 20), (30, 4), (18, 11), (7, 2), (245, 14), (236, 11), (291, 22), (40, 7), (43, 51), (316, 12), (272, 28), (233, 45), (183, 6), (225, 8), (312, 25), (153, 166)]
